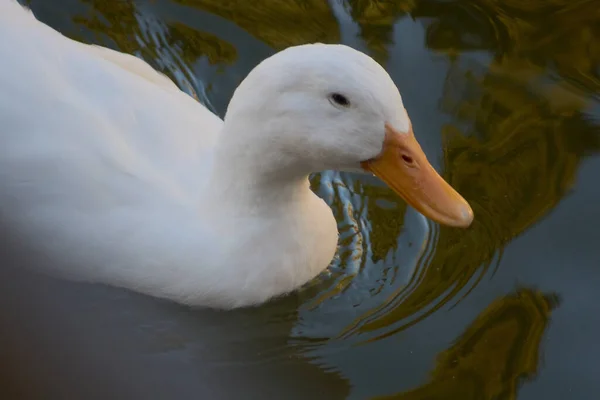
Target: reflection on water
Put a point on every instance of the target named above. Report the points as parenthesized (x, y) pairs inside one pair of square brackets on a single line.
[(170, 47), (279, 23), (536, 34), (494, 355), (520, 81), (376, 19)]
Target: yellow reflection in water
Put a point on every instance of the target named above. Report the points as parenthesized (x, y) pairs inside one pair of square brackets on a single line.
[(557, 34), (560, 34), (194, 43), (278, 23), (122, 22), (494, 355), (170, 47), (376, 19)]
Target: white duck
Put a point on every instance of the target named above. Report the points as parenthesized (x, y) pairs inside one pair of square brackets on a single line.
[(115, 176)]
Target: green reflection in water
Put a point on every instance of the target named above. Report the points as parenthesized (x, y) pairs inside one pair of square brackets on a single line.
[(495, 354)]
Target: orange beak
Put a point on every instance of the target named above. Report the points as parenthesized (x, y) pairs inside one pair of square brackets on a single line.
[(403, 166)]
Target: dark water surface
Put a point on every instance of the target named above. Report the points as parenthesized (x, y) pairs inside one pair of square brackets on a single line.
[(504, 96)]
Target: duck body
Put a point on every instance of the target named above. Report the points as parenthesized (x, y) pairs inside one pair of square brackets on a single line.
[(103, 167), (113, 175)]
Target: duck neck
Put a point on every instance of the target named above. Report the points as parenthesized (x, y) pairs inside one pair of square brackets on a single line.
[(248, 181), (271, 233)]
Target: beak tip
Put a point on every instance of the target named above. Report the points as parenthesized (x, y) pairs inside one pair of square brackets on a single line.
[(466, 216)]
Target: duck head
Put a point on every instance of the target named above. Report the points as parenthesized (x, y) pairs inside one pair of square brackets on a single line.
[(321, 107)]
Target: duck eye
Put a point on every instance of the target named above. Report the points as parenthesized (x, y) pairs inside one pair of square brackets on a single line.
[(339, 99)]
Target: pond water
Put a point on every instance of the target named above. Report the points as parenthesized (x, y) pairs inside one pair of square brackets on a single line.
[(504, 97)]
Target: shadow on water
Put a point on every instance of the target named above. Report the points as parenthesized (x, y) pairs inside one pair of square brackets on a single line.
[(521, 80)]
